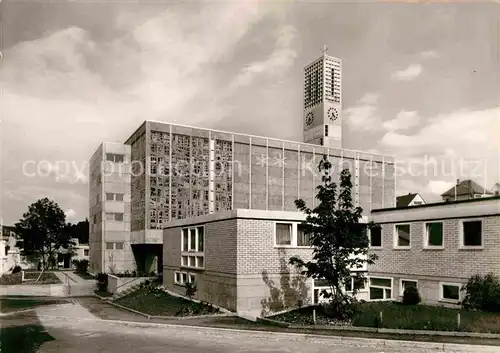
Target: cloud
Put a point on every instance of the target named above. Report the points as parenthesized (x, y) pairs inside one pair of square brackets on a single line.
[(429, 54), (404, 120), (462, 144), (439, 186), (70, 214), (363, 115), (68, 91), (408, 74), (278, 62)]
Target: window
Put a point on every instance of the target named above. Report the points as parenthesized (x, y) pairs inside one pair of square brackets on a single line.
[(402, 235), (117, 158), (472, 233), (184, 277), (355, 282), (291, 234), (376, 237), (109, 246), (185, 239), (85, 252), (303, 239), (405, 283), (114, 217), (192, 278), (114, 196), (433, 234), (119, 246), (192, 239), (283, 234), (326, 130), (450, 292), (380, 288), (193, 246), (416, 203), (201, 239)]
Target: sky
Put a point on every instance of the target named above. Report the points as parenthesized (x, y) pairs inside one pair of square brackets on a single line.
[(421, 82)]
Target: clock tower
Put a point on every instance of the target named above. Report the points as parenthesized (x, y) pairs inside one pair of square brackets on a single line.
[(323, 101)]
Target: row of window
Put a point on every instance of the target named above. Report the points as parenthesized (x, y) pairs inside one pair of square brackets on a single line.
[(114, 216), (192, 247), (471, 235), (114, 246), (291, 234), (184, 277), (116, 158), (114, 196), (381, 288)]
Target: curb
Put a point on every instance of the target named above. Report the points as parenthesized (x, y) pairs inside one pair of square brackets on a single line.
[(450, 334), (378, 343), (51, 306), (169, 317)]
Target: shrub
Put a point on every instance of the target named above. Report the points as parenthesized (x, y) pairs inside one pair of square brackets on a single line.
[(81, 266), (16, 269), (190, 289), (339, 307), (482, 293), (411, 296), (102, 282)]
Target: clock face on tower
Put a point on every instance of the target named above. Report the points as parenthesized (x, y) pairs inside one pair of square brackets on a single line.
[(333, 114), (309, 119)]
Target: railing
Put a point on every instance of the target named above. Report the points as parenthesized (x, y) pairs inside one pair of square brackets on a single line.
[(67, 281)]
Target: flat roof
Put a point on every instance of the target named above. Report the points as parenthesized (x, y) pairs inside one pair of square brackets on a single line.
[(436, 204), (392, 159)]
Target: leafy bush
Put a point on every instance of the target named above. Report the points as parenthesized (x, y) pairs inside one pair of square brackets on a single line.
[(16, 269), (482, 293), (190, 289), (411, 296), (339, 307), (102, 282), (81, 266)]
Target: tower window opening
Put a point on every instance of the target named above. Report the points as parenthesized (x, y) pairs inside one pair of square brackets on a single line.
[(326, 130)]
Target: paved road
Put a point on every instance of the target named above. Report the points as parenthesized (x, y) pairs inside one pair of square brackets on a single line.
[(105, 337), (75, 329)]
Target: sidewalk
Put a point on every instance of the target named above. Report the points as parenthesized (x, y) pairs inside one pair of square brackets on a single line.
[(74, 284), (63, 278)]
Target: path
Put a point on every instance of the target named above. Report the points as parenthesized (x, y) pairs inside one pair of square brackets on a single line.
[(74, 284)]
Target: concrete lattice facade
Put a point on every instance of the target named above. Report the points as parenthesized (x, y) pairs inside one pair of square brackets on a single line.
[(445, 261), (177, 172)]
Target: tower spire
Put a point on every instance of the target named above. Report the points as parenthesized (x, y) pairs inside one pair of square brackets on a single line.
[(325, 49)]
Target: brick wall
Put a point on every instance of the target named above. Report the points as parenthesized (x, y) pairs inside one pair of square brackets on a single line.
[(266, 283), (450, 262), (216, 283)]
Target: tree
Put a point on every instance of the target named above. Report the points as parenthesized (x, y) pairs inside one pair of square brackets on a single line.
[(339, 241), (79, 231), (40, 231)]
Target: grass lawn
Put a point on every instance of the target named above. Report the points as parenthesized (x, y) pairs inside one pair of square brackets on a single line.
[(397, 316), (8, 305), (16, 278), (164, 304), (84, 275)]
